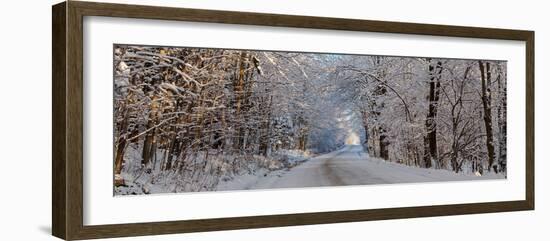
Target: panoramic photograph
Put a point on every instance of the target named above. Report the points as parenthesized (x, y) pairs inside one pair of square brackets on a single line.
[(189, 119)]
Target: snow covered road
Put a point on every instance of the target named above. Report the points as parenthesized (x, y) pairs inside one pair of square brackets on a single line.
[(347, 166)]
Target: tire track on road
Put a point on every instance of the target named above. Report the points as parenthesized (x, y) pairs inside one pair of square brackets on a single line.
[(329, 172)]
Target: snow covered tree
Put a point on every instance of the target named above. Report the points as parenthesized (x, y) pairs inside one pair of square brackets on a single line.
[(197, 116)]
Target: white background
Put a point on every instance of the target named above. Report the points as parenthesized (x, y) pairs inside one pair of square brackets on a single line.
[(25, 121), (100, 207)]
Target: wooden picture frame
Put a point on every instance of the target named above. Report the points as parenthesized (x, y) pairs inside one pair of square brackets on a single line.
[(67, 124)]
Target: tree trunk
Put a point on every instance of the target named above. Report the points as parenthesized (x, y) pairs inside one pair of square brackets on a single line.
[(485, 71), (303, 139), (366, 128), (173, 150), (238, 88), (430, 141), (265, 142), (148, 143), (383, 144), (119, 156), (502, 122), (121, 144)]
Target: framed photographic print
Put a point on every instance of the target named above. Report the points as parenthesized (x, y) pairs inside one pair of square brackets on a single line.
[(170, 120)]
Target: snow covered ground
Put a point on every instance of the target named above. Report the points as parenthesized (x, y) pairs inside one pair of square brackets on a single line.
[(201, 173), (347, 166), (350, 165)]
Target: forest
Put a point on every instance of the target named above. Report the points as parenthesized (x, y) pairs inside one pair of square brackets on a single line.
[(190, 119)]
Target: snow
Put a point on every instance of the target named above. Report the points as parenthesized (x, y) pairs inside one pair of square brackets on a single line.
[(347, 166), (350, 165), (229, 133), (212, 173)]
